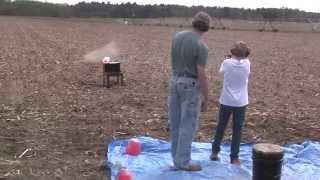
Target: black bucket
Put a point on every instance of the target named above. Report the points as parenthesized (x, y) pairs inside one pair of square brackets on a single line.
[(267, 162)]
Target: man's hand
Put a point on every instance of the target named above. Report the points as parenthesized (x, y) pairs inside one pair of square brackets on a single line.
[(204, 106)]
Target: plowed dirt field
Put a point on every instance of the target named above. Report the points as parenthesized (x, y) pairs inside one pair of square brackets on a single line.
[(56, 119)]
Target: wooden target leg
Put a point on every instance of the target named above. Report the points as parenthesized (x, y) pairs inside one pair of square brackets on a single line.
[(103, 79), (108, 81), (118, 79), (122, 79)]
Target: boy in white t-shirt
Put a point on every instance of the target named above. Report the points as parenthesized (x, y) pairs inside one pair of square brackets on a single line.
[(233, 99)]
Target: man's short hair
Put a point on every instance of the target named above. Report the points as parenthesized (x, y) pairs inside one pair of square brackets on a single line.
[(240, 49), (201, 21)]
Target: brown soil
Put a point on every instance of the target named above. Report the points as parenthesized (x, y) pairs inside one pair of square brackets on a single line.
[(53, 107)]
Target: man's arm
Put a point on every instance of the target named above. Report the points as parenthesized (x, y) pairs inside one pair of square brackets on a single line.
[(203, 86)]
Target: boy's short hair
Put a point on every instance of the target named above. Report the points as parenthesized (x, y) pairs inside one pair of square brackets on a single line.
[(201, 21), (240, 50)]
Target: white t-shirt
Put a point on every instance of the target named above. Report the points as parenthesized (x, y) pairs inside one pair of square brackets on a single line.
[(235, 82)]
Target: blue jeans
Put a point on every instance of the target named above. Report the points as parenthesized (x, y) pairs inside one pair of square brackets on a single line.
[(184, 109), (238, 114)]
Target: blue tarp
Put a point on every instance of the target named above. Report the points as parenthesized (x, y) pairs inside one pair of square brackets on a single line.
[(301, 162)]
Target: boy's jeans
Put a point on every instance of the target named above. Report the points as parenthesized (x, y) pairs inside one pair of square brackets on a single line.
[(184, 109), (238, 119)]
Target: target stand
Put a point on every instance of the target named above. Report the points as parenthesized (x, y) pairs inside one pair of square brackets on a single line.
[(112, 69)]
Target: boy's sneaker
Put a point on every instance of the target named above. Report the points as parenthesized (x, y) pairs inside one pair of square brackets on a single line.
[(214, 157), (235, 161)]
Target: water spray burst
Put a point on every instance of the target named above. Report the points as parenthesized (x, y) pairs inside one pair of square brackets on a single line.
[(97, 55)]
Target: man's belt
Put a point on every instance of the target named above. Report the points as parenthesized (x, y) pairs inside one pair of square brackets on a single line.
[(185, 74)]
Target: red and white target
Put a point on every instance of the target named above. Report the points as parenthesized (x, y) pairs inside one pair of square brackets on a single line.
[(106, 60)]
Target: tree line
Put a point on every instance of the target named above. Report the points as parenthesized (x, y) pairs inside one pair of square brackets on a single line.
[(133, 10)]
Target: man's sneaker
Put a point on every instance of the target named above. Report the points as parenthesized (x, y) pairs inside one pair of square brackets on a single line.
[(191, 167), (235, 161)]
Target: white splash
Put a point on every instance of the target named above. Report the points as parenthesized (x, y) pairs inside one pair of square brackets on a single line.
[(96, 56)]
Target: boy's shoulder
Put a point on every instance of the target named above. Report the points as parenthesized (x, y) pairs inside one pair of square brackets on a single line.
[(247, 60), (231, 60)]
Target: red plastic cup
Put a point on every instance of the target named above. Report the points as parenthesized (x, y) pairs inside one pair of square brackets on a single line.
[(133, 147), (124, 174)]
